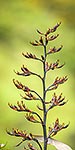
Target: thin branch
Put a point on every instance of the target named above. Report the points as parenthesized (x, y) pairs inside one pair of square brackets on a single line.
[(37, 94), (53, 66), (26, 72), (31, 56), (49, 108), (50, 87), (23, 140), (38, 116), (19, 85), (54, 50), (29, 96), (36, 75), (39, 59), (56, 83), (34, 139)]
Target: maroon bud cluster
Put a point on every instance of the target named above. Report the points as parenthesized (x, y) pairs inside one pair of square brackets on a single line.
[(20, 133), (31, 118), (54, 50), (29, 96), (50, 30), (20, 107), (56, 128), (56, 83), (19, 85), (30, 146), (53, 66), (53, 37), (38, 43), (60, 80), (25, 71), (29, 55), (57, 100)]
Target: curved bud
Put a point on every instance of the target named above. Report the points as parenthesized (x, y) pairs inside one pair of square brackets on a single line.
[(2, 145)]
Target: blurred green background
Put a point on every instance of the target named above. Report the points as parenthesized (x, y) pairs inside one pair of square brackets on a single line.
[(19, 20)]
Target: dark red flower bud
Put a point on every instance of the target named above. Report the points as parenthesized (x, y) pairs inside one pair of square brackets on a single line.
[(53, 37), (56, 127), (19, 85)]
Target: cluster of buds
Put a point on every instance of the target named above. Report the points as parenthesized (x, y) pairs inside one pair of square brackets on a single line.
[(31, 118), (57, 82), (20, 133), (54, 50), (50, 30), (57, 101), (27, 55), (29, 96), (25, 71), (56, 128), (38, 43), (31, 56), (25, 136), (19, 85), (53, 66), (53, 37), (47, 38), (41, 42), (30, 146), (60, 80), (20, 107)]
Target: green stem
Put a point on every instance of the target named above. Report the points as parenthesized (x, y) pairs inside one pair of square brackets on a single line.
[(44, 97)]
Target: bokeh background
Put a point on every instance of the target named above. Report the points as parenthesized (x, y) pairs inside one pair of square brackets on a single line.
[(19, 20)]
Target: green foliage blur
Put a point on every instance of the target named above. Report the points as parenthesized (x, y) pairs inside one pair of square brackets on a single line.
[(19, 20)]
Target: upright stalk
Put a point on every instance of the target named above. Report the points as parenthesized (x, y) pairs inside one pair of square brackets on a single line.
[(31, 94), (44, 96)]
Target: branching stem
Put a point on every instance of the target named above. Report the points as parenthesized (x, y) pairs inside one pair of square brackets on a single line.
[(44, 96), (38, 117), (37, 94), (36, 75), (34, 139)]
